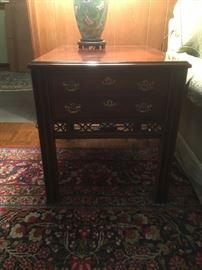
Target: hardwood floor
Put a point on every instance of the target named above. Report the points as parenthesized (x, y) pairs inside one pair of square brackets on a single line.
[(18, 134), (26, 135)]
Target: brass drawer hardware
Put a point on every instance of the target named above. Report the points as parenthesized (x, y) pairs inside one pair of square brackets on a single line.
[(109, 103), (108, 81), (71, 86), (143, 107), (145, 85), (73, 108)]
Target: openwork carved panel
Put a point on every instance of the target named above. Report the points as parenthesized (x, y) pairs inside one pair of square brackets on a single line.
[(60, 127), (151, 127), (79, 128)]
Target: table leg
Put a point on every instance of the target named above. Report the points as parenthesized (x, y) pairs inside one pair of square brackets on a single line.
[(50, 166), (46, 135)]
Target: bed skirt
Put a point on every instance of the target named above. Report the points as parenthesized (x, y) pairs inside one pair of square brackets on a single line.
[(190, 163)]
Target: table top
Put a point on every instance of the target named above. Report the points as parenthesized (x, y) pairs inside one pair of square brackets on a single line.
[(111, 55)]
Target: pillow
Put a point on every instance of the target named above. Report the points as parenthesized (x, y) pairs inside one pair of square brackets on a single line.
[(185, 28)]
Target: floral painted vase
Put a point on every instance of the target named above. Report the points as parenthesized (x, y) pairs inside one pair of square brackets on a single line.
[(91, 17)]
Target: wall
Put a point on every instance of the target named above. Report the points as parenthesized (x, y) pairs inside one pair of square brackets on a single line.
[(129, 22), (3, 48), (18, 35)]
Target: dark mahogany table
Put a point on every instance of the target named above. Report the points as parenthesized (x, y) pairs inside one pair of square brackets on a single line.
[(122, 92)]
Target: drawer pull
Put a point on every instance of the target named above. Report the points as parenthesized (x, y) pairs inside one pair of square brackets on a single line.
[(71, 86), (145, 85), (143, 107), (108, 81), (110, 103), (73, 108)]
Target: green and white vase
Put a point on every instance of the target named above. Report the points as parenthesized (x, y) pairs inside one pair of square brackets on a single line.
[(91, 17)]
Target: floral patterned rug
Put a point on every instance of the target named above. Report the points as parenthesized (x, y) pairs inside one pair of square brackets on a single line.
[(106, 219)]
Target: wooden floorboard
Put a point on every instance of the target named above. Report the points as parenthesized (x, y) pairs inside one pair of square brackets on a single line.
[(18, 134), (26, 135)]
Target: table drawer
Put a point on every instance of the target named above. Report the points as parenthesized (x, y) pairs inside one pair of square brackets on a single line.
[(107, 107), (109, 83)]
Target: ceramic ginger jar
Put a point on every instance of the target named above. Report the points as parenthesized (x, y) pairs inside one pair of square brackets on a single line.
[(91, 17)]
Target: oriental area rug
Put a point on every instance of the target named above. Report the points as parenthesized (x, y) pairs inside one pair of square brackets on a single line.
[(15, 81), (106, 219), (16, 97)]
